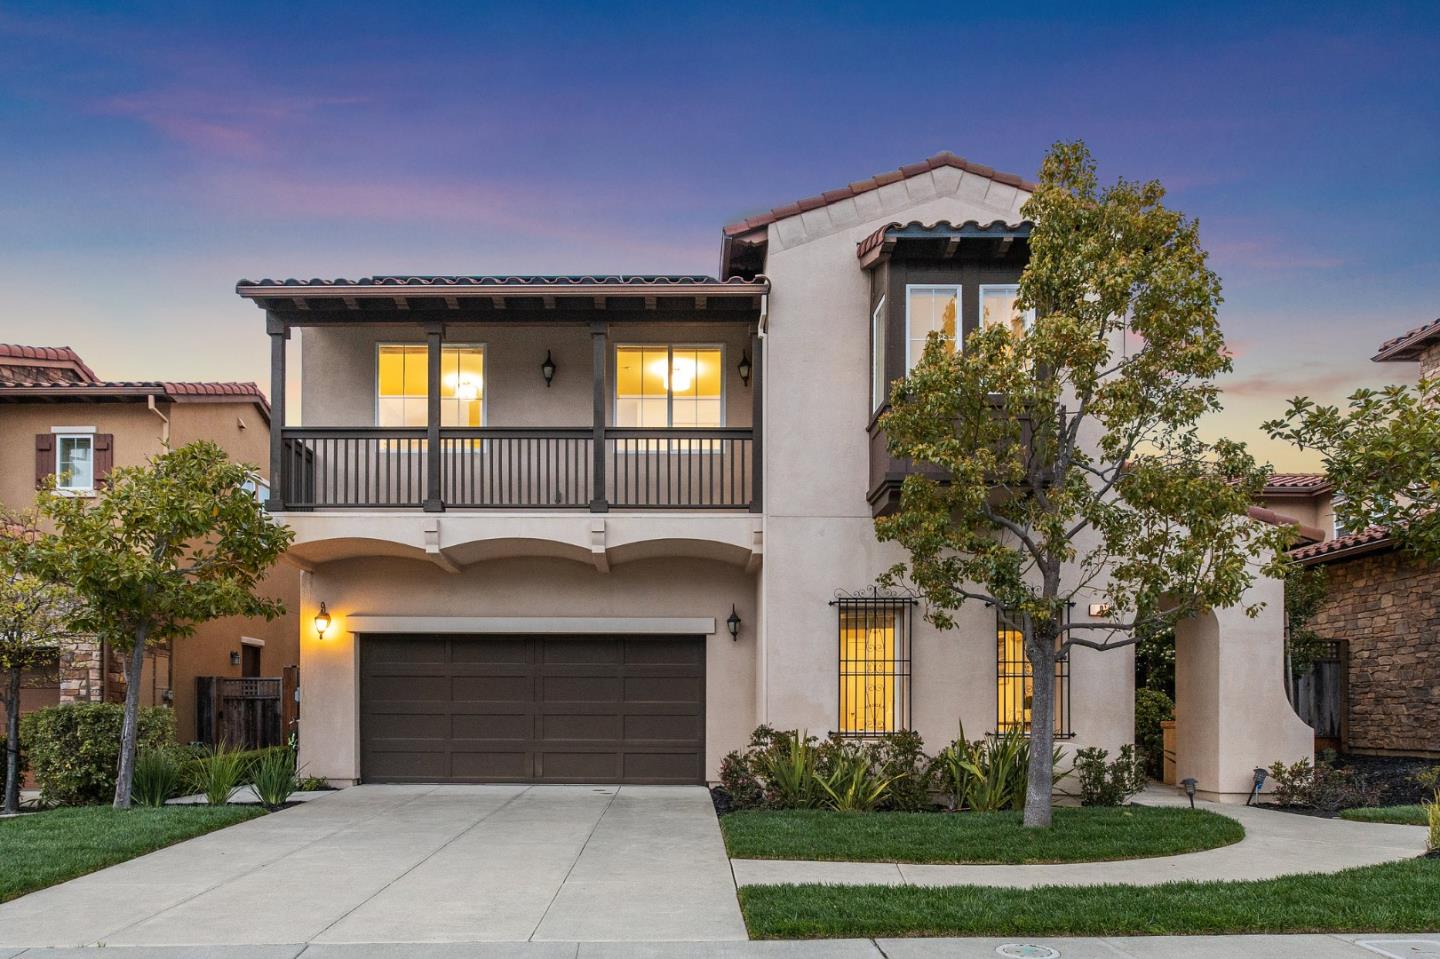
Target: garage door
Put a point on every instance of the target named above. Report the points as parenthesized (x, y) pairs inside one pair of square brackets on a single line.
[(563, 709)]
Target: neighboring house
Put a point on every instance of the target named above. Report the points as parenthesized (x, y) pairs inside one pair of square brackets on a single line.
[(597, 528), (61, 420), (1381, 611)]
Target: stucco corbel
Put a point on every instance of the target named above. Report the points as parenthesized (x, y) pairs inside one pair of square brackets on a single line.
[(433, 551), (598, 556), (757, 551)]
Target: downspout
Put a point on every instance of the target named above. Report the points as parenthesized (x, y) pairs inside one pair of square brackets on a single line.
[(164, 420)]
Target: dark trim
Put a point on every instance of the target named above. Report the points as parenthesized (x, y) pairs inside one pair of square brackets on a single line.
[(279, 334), (434, 339), (599, 360), (757, 424)]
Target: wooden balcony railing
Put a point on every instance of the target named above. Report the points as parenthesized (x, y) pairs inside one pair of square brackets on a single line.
[(518, 468)]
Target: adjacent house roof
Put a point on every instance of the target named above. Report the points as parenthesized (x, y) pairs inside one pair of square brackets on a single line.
[(1407, 347), (1371, 540), (1296, 484), (45, 364), (532, 282), (1308, 533)]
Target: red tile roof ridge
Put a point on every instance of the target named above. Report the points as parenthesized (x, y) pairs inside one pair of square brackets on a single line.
[(1371, 537), (53, 354), (1400, 347), (1297, 483)]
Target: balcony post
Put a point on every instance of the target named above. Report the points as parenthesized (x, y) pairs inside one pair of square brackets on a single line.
[(279, 331), (434, 459), (757, 425), (599, 364)]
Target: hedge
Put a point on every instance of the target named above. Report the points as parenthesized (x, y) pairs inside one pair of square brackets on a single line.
[(74, 750)]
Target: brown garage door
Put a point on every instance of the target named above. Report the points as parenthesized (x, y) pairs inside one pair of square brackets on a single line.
[(474, 709)]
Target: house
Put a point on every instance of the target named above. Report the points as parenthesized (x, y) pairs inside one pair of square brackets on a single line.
[(597, 528), (60, 419), (1380, 612)]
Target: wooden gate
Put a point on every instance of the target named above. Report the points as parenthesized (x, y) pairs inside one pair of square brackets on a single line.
[(1320, 696), (251, 713)]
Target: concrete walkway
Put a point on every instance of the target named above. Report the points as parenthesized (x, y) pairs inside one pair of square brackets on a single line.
[(1275, 844), (397, 864)]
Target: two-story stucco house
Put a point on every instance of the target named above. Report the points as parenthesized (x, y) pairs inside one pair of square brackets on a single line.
[(597, 528)]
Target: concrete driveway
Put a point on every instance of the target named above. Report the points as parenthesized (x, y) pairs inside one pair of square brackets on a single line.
[(391, 864)]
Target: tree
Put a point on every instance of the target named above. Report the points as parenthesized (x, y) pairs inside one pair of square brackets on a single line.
[(164, 547), (33, 613), (1075, 474), (1382, 453)]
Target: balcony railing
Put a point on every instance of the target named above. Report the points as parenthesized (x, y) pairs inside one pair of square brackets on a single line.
[(519, 468)]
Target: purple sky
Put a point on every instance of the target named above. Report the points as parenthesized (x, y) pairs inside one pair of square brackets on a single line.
[(150, 156)]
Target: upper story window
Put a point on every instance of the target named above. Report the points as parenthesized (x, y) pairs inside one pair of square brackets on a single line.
[(661, 386), (930, 309), (78, 457), (402, 385), (998, 308), (75, 462), (877, 357)]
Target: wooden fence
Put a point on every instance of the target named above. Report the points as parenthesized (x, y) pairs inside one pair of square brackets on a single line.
[(250, 713)]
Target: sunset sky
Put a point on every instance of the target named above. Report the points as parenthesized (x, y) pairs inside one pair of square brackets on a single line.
[(152, 154)]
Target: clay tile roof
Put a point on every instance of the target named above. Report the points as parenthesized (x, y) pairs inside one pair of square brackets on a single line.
[(47, 355), (120, 389), (1367, 540), (1296, 483), (537, 282), (945, 159), (1408, 346), (940, 228), (1310, 533), (229, 390)]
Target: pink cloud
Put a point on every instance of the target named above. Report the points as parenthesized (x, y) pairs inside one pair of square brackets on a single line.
[(223, 123), (1269, 253)]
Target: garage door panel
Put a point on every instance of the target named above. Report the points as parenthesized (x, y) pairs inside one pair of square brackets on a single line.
[(536, 709)]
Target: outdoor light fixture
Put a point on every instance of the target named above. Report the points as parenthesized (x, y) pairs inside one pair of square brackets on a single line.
[(1189, 784), (1099, 609), (322, 620), (1260, 775), (733, 623), (547, 369), (234, 659), (744, 367)]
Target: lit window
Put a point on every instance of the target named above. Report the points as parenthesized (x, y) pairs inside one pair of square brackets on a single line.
[(1015, 680), (997, 308), (403, 385), (877, 356), (668, 386), (930, 309), (75, 462), (874, 666)]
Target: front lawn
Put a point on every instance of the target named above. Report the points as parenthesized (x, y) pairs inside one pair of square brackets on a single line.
[(1390, 897), (1078, 835), (1400, 815), (42, 849)]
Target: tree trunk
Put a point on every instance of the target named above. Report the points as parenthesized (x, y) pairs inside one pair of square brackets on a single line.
[(12, 744), (1040, 650), (130, 731)]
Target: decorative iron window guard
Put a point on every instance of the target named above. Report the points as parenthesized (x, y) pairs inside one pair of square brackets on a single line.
[(874, 643), (1014, 679)]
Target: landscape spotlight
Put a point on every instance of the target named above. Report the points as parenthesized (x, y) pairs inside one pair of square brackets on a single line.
[(1189, 783)]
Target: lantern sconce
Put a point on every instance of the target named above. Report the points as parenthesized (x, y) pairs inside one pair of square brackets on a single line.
[(322, 620), (234, 658), (744, 367), (547, 369), (733, 623)]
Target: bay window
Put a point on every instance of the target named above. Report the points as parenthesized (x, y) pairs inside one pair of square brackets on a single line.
[(998, 308), (930, 309)]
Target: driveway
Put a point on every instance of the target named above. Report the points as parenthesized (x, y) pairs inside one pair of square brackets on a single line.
[(386, 864)]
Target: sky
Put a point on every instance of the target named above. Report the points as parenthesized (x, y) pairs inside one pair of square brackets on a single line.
[(151, 154)]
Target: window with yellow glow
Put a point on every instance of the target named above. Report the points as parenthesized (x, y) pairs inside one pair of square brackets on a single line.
[(1015, 680), (403, 385), (874, 668), (930, 309), (669, 386), (998, 308)]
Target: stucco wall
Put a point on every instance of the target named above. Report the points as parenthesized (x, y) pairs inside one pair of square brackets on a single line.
[(136, 431)]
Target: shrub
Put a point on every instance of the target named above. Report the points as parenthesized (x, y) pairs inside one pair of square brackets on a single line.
[(738, 779), (1105, 783), (74, 749), (900, 758), (312, 784), (1432, 817), (1429, 779), (219, 774), (989, 774), (1320, 786), (788, 768), (851, 784), (1152, 707), (158, 777), (274, 778)]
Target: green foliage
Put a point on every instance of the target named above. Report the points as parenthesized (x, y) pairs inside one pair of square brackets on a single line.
[(274, 778), (1432, 821), (1382, 452), (991, 773), (1320, 786), (158, 776), (1086, 481), (1105, 783), (219, 774), (1304, 595), (307, 784), (1152, 708), (788, 769), (900, 758), (850, 784), (1155, 661), (1429, 779), (72, 748)]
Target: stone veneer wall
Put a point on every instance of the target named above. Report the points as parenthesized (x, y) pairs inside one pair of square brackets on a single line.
[(1430, 362), (81, 664), (1385, 606)]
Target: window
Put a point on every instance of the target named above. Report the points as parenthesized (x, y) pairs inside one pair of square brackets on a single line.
[(75, 462), (997, 308), (257, 487), (874, 664), (403, 385), (669, 386), (1014, 686), (878, 392), (929, 309)]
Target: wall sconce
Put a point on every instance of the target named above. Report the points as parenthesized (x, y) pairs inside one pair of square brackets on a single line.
[(1098, 610), (1190, 784), (235, 658), (547, 369), (733, 623), (744, 367), (322, 620)]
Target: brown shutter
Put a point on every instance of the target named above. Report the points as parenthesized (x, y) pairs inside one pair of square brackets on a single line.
[(104, 452), (44, 458)]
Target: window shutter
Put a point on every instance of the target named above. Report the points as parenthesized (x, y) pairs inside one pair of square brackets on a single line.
[(44, 458), (104, 453)]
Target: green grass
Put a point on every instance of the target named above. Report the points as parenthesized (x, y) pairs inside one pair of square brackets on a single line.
[(42, 849), (1401, 815), (1395, 896), (1078, 835)]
